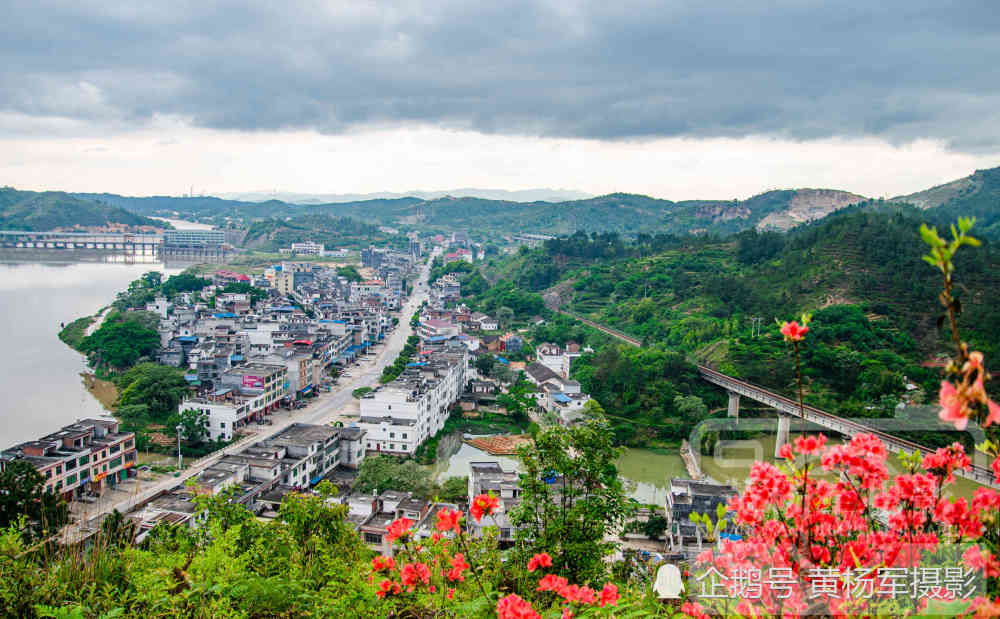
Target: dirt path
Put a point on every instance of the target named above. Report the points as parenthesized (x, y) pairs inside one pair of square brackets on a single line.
[(98, 320)]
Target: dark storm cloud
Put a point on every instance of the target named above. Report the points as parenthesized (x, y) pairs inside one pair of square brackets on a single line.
[(899, 70)]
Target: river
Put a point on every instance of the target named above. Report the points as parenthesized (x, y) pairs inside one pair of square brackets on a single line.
[(39, 375), (646, 473)]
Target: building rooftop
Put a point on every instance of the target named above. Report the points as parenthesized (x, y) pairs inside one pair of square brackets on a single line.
[(379, 521), (394, 421), (255, 369), (485, 467), (172, 502), (306, 434), (352, 433), (393, 495)]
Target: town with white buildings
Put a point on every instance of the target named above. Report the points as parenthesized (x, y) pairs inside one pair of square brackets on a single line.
[(279, 340)]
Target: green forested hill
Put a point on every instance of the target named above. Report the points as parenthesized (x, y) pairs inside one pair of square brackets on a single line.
[(630, 213), (52, 210), (318, 228), (978, 197), (219, 211), (859, 270)]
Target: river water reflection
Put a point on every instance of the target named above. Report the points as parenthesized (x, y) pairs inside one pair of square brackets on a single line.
[(39, 375), (646, 474)]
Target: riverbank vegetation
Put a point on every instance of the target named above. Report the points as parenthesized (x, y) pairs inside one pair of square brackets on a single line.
[(72, 334), (121, 341), (149, 396)]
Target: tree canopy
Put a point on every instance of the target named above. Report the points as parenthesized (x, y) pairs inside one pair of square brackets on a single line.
[(23, 494)]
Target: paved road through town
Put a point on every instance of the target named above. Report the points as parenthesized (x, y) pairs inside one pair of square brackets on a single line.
[(322, 410)]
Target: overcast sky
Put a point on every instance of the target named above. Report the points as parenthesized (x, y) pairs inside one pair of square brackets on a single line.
[(678, 99)]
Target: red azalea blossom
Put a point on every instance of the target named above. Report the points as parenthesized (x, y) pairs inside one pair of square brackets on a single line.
[(797, 523), (513, 607), (984, 561), (539, 560), (576, 593), (955, 400), (810, 444), (398, 528), (694, 609), (946, 460), (794, 332), (552, 582), (451, 593), (609, 595), (413, 574), (483, 505), (567, 613), (448, 520), (458, 565), (387, 587), (383, 563)]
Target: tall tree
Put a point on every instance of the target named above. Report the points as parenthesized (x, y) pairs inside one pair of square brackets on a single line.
[(160, 387), (381, 473), (22, 493), (571, 499), (194, 425)]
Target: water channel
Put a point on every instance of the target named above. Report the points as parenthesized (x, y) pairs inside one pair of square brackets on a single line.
[(39, 375), (646, 473)]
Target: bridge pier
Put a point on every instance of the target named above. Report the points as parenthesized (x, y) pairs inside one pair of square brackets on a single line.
[(784, 424), (734, 405)]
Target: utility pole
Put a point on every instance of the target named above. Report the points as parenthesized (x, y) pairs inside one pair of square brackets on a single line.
[(179, 460)]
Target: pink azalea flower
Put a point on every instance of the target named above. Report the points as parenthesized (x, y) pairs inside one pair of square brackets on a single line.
[(793, 331), (952, 407)]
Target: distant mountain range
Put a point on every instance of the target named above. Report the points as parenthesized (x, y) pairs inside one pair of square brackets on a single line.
[(522, 195), (977, 194), (627, 213)]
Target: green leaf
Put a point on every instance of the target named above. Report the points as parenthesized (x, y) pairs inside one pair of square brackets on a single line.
[(930, 235)]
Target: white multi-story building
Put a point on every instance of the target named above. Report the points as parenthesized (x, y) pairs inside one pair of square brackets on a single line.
[(432, 327), (226, 413), (245, 395), (309, 248), (401, 415), (368, 288)]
